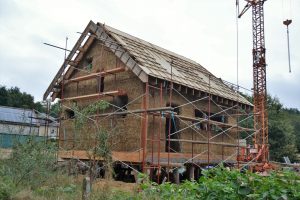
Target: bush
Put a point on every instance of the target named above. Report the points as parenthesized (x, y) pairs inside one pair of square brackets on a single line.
[(220, 183), (5, 191), (31, 163)]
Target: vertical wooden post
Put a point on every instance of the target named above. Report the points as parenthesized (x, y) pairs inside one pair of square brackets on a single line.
[(191, 171), (145, 127), (86, 188), (176, 176), (159, 133), (209, 126), (197, 173)]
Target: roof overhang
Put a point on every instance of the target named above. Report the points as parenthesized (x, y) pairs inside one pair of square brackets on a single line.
[(93, 31), (103, 34)]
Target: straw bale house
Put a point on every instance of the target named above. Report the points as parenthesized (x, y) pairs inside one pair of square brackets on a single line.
[(165, 99)]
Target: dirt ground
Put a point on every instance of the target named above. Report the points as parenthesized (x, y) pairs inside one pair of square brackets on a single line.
[(119, 185), (111, 184), (5, 153)]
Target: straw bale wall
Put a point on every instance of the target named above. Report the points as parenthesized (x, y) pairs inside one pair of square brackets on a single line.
[(126, 131), (192, 133)]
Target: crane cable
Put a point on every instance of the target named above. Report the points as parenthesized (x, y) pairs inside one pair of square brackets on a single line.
[(237, 42), (287, 22), (237, 10)]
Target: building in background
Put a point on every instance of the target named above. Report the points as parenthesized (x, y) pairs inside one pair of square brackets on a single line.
[(17, 124)]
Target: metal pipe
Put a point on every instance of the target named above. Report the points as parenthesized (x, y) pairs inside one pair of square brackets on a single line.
[(135, 111), (51, 45), (145, 127), (159, 133), (94, 75), (92, 95), (203, 142)]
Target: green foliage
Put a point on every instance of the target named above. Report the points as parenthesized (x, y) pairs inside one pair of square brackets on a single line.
[(293, 117), (13, 97), (103, 148), (284, 129), (82, 120), (217, 183), (81, 115), (59, 185), (5, 191), (30, 164), (55, 110), (220, 183), (282, 138), (56, 191)]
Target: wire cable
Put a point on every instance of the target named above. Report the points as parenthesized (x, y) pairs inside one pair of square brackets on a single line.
[(237, 42)]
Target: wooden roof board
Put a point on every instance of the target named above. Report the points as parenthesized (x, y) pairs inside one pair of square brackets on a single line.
[(144, 59), (185, 71)]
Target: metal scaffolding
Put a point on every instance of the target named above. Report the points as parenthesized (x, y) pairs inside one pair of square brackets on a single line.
[(157, 162), (149, 157)]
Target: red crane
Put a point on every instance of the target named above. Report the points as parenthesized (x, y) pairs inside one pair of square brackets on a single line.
[(259, 80)]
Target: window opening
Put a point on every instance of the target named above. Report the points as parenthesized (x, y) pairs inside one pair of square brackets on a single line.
[(69, 114), (203, 115), (172, 126), (121, 101), (90, 63), (101, 85)]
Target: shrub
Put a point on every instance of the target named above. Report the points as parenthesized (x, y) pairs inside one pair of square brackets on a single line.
[(5, 191), (220, 183), (31, 163)]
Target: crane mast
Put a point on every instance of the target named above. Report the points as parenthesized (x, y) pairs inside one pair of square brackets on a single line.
[(259, 80)]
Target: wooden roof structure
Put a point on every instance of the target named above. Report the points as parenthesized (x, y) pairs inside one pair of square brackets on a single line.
[(147, 61)]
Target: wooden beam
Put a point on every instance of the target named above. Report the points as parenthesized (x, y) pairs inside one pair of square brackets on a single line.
[(136, 157), (137, 111), (226, 102), (199, 93), (81, 49), (222, 100), (60, 71), (73, 63), (78, 58), (221, 124), (94, 75), (90, 96), (85, 155), (202, 142)]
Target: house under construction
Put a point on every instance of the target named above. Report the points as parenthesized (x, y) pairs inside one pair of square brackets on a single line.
[(165, 111)]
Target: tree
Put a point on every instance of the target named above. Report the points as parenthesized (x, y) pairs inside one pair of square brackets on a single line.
[(282, 138), (293, 115), (54, 110), (284, 129), (13, 97), (3, 95)]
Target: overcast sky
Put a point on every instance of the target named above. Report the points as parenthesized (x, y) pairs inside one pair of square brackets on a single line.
[(202, 30)]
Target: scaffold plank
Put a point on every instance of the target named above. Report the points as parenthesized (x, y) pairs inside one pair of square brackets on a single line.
[(90, 96), (94, 75)]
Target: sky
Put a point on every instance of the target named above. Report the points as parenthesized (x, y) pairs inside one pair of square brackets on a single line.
[(202, 30)]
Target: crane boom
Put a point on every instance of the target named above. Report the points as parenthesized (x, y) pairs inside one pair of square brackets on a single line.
[(259, 79)]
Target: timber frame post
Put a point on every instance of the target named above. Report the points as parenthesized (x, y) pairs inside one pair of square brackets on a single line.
[(144, 126)]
